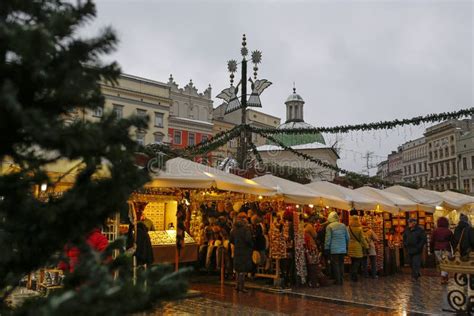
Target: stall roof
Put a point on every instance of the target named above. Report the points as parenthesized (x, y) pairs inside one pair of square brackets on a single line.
[(294, 192), (453, 200), (399, 202), (354, 199), (422, 198), (182, 173)]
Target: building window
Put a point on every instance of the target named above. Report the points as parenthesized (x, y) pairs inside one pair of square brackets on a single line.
[(426, 166), (118, 111), (204, 138), (177, 137), (431, 171), (448, 170), (159, 138), (141, 113), (472, 185), (98, 111), (431, 155), (453, 164), (452, 138), (435, 154), (466, 186), (452, 150), (472, 162), (440, 153), (464, 163), (191, 139), (420, 167), (140, 137), (442, 170), (446, 152), (159, 119)]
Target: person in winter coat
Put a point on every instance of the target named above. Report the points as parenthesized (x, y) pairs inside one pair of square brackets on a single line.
[(241, 238), (414, 239), (144, 251), (463, 235), (371, 253), (441, 242), (357, 245), (259, 241), (95, 239), (313, 265), (336, 242)]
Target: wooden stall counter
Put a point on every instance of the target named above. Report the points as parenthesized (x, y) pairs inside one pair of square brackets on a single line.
[(164, 247)]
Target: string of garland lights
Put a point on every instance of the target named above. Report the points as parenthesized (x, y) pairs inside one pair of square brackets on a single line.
[(215, 144), (256, 153), (213, 139), (323, 164), (430, 118)]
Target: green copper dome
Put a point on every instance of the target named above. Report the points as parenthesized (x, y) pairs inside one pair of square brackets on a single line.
[(298, 139)]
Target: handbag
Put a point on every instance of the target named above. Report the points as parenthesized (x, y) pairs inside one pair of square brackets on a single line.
[(357, 239)]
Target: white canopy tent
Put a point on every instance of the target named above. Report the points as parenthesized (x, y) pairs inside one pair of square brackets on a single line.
[(448, 202), (182, 173), (354, 199), (426, 201), (397, 202), (294, 192)]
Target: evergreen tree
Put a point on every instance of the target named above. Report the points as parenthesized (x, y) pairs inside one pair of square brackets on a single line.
[(48, 71)]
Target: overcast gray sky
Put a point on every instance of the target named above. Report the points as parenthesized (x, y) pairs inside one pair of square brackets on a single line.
[(352, 61)]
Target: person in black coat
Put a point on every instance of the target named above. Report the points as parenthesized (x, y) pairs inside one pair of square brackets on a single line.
[(241, 238), (144, 251), (463, 234), (414, 239)]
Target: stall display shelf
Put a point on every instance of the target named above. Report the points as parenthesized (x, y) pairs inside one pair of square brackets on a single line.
[(167, 237)]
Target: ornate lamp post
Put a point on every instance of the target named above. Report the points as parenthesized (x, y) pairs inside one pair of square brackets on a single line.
[(229, 95)]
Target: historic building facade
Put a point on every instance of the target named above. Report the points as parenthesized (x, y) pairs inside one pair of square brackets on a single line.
[(465, 148), (137, 96), (443, 158), (415, 162), (190, 119), (254, 118)]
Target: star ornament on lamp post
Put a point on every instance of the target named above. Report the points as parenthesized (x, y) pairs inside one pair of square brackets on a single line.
[(234, 102)]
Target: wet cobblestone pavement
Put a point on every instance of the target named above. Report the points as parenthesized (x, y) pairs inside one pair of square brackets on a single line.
[(392, 295), (398, 293), (223, 300)]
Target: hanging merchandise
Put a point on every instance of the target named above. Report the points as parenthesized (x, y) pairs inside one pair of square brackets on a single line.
[(300, 258)]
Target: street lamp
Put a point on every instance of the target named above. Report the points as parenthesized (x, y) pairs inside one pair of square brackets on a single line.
[(233, 103)]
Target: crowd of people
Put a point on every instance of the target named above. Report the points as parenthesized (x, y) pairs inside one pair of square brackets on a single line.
[(248, 240)]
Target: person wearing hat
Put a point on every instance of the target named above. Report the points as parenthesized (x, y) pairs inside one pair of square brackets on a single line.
[(241, 238), (414, 239)]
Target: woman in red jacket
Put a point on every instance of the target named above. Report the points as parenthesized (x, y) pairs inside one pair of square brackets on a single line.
[(441, 243), (96, 240)]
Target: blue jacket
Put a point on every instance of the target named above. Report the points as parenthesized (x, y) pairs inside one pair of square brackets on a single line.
[(337, 237)]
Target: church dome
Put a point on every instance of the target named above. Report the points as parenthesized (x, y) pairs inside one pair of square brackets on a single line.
[(294, 120), (294, 97)]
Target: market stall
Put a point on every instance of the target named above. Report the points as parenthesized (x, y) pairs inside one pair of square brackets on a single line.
[(198, 192)]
